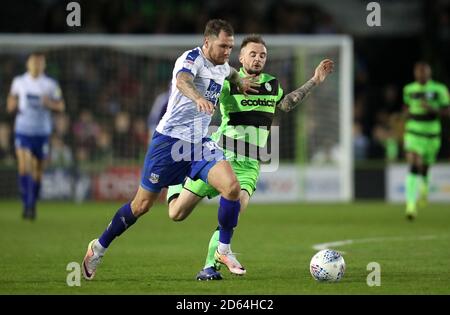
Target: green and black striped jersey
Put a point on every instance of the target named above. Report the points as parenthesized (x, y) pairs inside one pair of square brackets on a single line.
[(419, 121), (246, 121)]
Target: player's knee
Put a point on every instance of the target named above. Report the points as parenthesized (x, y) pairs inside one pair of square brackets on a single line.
[(176, 214), (140, 207), (232, 190)]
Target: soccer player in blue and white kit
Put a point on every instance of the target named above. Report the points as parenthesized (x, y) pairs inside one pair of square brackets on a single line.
[(180, 148), (33, 96)]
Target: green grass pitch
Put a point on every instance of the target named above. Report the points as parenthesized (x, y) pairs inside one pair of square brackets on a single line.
[(158, 256)]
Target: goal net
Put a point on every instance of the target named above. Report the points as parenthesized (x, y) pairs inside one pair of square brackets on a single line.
[(110, 84)]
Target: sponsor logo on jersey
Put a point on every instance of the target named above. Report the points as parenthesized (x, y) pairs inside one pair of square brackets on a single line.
[(258, 102), (213, 91), (33, 100), (424, 95), (431, 95)]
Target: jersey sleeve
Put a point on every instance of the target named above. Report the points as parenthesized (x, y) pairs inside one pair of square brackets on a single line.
[(14, 87), (225, 91), (280, 94), (191, 63), (444, 98)]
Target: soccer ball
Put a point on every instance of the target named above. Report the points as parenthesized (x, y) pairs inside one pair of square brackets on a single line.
[(327, 265)]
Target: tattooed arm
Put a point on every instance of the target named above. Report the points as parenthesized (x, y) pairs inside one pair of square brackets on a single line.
[(245, 84), (294, 98), (185, 83)]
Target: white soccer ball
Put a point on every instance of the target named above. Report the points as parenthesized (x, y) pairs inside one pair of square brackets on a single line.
[(327, 265)]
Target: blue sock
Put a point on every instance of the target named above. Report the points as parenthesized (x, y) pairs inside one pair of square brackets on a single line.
[(25, 182), (36, 190), (228, 218), (123, 219)]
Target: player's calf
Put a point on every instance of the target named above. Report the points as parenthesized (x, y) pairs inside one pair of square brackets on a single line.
[(180, 207)]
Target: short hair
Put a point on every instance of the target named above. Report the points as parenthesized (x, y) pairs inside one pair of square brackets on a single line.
[(213, 27), (37, 53), (253, 38), (422, 63)]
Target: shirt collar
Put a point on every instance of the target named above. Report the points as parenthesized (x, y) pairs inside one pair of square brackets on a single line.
[(28, 75)]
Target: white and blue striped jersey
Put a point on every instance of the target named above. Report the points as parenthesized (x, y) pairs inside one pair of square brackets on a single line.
[(33, 119), (182, 120)]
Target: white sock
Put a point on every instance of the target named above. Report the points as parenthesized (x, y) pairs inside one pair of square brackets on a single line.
[(224, 248), (98, 248)]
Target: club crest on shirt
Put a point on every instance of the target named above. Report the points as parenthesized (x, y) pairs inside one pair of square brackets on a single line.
[(268, 87), (430, 95), (154, 178)]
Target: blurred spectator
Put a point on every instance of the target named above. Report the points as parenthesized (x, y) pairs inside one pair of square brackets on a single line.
[(61, 126), (361, 142), (397, 129), (85, 132), (103, 150), (6, 153), (326, 24), (391, 101), (82, 156), (140, 135), (60, 153), (385, 140), (123, 147), (379, 137), (157, 111), (328, 153)]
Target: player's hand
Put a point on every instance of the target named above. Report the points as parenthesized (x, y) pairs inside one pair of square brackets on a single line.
[(205, 106), (46, 101), (325, 67), (248, 84), (427, 107)]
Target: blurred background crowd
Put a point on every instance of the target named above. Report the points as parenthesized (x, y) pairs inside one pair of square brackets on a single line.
[(383, 63)]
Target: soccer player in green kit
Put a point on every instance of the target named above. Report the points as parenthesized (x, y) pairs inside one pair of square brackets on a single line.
[(242, 115), (425, 100)]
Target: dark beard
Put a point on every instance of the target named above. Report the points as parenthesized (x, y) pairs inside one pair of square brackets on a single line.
[(249, 71)]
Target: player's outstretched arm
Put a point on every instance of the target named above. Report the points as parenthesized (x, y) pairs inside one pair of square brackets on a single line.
[(11, 103), (246, 84), (185, 83), (294, 98)]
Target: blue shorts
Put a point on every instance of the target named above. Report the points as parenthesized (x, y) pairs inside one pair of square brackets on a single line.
[(38, 145), (169, 160)]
